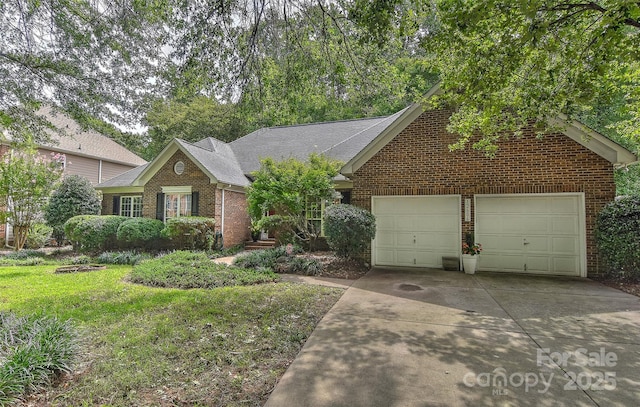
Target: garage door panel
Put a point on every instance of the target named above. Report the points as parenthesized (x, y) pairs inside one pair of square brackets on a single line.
[(385, 256), (566, 245), (385, 222), (550, 225), (504, 244), (404, 239), (385, 240), (416, 231), (436, 240), (563, 205), (565, 265), (506, 262), (565, 225), (537, 263)]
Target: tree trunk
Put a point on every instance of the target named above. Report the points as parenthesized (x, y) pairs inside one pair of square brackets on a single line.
[(19, 236)]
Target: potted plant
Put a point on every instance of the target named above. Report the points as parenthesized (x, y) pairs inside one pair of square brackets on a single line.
[(470, 253), (255, 230)]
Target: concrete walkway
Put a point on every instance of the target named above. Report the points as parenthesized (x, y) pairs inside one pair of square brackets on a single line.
[(438, 338)]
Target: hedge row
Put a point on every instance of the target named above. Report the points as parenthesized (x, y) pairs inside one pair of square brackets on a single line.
[(92, 233)]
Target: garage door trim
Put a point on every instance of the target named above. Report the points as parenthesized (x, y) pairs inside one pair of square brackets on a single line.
[(581, 219)]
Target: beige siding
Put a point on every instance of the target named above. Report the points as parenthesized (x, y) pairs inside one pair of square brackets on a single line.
[(110, 170), (87, 167)]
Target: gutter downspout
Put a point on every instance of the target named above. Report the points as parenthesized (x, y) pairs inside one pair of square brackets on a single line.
[(222, 214)]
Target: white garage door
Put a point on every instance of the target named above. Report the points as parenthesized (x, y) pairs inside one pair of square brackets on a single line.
[(540, 234), (416, 231)]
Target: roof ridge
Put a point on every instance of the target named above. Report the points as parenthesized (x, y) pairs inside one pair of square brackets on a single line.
[(384, 119), (329, 122)]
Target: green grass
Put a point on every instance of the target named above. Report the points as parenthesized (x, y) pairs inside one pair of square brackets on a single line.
[(143, 346)]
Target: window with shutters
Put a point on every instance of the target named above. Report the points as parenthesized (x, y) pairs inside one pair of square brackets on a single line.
[(177, 205), (131, 206)]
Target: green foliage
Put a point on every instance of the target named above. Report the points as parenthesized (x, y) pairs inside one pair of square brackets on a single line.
[(94, 232), (33, 351), (39, 235), (618, 237), (25, 185), (144, 338), (82, 259), (183, 269), (194, 120), (281, 259), (286, 188), (88, 58), (124, 257), (349, 229), (75, 196), (508, 65), (191, 232), (141, 233)]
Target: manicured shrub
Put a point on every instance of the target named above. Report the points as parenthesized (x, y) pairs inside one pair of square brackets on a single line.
[(39, 235), (281, 259), (267, 258), (124, 257), (191, 232), (141, 233), (94, 232), (182, 269), (348, 229), (33, 350), (618, 237), (75, 196)]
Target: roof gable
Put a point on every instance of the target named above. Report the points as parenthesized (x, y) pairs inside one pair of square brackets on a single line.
[(592, 140), (218, 163), (85, 142)]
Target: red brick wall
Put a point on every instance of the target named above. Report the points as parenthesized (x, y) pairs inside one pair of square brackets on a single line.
[(236, 223), (236, 218), (192, 176), (418, 162)]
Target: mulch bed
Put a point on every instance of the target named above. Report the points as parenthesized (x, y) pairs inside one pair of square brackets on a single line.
[(336, 267)]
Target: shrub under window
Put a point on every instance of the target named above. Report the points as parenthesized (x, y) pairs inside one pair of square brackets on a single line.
[(191, 232)]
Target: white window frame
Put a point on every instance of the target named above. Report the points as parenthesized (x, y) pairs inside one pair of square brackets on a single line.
[(131, 207), (311, 212)]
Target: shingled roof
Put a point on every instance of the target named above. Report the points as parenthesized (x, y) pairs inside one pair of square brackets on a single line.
[(85, 142), (232, 163), (340, 140)]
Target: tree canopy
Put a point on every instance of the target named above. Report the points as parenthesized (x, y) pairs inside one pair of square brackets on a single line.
[(503, 64), (506, 65), (288, 190)]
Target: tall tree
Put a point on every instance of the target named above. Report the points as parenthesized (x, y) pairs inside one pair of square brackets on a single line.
[(98, 57), (27, 179), (192, 120), (507, 64)]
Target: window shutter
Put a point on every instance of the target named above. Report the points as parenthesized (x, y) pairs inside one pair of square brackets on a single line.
[(195, 204), (116, 205), (160, 206)]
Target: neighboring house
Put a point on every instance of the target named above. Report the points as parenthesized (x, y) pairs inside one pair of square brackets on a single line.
[(86, 152), (533, 206)]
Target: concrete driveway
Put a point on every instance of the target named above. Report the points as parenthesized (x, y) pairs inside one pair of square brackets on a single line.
[(442, 338)]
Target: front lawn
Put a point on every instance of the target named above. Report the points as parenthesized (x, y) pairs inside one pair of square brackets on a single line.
[(160, 346)]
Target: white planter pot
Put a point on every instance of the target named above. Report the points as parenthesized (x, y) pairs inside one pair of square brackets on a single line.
[(469, 263)]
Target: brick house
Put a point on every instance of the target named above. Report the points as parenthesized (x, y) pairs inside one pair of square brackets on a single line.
[(533, 206), (86, 153)]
